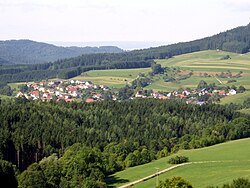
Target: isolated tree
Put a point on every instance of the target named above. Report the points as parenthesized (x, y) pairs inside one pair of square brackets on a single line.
[(202, 84), (157, 69), (178, 160), (241, 89)]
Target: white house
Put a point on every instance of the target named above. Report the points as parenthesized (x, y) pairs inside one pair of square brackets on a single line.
[(232, 92)]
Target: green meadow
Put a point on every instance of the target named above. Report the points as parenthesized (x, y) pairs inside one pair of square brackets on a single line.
[(220, 164), (116, 78), (237, 99), (209, 61)]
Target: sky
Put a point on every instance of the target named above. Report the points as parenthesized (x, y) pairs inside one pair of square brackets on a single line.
[(119, 20)]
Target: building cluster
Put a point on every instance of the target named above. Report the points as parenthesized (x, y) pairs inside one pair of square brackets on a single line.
[(63, 90), (190, 96), (90, 92)]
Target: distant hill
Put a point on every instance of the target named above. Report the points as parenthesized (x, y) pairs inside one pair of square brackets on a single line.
[(125, 45), (31, 52)]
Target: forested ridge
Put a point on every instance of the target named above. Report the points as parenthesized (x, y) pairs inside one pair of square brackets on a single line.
[(235, 40), (118, 134), (32, 52)]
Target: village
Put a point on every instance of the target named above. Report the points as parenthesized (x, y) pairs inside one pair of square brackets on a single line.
[(79, 90)]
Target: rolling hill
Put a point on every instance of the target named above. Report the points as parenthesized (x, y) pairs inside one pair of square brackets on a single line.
[(31, 52), (217, 165)]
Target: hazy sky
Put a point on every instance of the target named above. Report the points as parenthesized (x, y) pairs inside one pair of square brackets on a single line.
[(119, 20)]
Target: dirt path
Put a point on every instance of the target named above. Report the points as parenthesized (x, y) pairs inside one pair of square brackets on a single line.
[(163, 171), (218, 80)]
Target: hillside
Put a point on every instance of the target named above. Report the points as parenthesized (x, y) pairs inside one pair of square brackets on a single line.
[(235, 40), (221, 164), (206, 62), (31, 52)]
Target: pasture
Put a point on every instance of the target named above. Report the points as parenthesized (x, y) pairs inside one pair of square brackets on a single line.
[(222, 163), (116, 78)]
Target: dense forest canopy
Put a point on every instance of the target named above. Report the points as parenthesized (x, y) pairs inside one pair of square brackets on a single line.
[(31, 130)]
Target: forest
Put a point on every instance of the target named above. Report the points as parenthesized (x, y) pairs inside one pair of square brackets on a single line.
[(80, 144)]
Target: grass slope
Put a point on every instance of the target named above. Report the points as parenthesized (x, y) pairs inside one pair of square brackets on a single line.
[(232, 162), (210, 60), (114, 78)]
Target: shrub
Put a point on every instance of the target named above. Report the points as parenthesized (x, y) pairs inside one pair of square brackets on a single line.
[(178, 160)]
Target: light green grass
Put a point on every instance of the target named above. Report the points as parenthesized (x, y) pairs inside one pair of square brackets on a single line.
[(137, 172), (116, 78), (16, 85), (237, 99), (203, 175), (209, 60), (233, 161)]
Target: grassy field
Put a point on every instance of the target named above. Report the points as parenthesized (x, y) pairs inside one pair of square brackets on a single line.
[(228, 161), (16, 85), (237, 99), (209, 61), (113, 78)]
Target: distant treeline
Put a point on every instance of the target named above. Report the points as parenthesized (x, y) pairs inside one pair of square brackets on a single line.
[(72, 67)]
